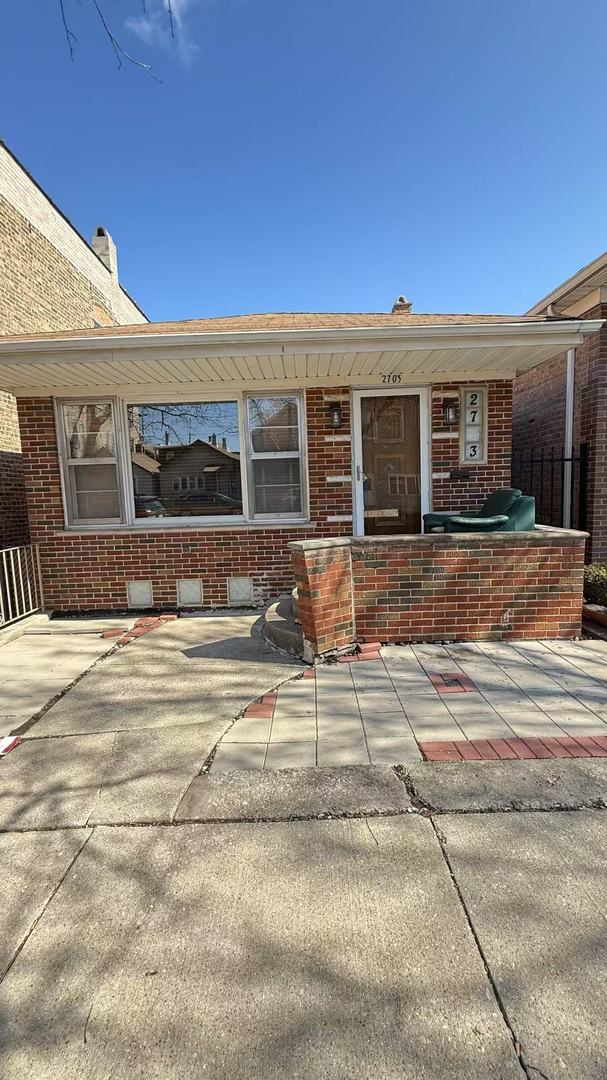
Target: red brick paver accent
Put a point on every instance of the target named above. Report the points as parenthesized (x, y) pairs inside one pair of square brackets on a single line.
[(453, 683), (440, 751), (508, 749), (264, 712)]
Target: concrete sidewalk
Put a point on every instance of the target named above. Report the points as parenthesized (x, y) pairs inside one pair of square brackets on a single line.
[(422, 933), (39, 665), (125, 742), (410, 946)]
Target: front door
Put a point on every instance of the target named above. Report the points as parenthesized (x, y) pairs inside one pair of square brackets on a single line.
[(390, 462)]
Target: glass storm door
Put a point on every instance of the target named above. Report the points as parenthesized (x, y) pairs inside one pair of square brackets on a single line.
[(390, 474)]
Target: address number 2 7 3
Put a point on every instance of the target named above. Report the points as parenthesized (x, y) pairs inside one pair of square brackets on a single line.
[(392, 379)]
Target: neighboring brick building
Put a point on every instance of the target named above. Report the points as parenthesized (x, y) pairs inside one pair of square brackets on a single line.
[(51, 279), (341, 423), (542, 419)]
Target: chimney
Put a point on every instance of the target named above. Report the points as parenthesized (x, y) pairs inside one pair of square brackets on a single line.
[(402, 305), (224, 444), (213, 440), (105, 248)]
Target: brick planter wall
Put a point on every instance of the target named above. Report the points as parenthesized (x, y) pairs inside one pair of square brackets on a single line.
[(447, 586)]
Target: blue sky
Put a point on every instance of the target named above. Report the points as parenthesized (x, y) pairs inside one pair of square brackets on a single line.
[(321, 155)]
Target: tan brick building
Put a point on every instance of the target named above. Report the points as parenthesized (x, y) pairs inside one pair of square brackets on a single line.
[(562, 405), (51, 279)]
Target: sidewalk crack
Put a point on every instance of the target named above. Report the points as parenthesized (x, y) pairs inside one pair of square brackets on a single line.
[(45, 906), (526, 1068)]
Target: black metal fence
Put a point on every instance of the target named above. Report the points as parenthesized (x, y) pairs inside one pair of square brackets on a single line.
[(546, 474)]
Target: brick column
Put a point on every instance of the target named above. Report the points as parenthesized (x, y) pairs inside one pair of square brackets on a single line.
[(323, 575)]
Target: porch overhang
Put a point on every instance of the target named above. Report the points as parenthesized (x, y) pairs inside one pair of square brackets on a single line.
[(182, 363)]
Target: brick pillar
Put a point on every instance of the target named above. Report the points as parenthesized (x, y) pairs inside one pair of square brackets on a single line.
[(323, 575)]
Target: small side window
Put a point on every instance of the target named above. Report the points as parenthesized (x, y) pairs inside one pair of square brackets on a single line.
[(90, 463), (275, 455)]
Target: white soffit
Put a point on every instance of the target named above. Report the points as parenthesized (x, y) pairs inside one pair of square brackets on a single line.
[(302, 358)]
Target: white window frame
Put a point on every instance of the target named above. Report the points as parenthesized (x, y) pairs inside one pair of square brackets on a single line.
[(128, 520), (482, 391), (68, 464), (300, 455)]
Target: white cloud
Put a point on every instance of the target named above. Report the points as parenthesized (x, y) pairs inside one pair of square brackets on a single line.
[(153, 27)]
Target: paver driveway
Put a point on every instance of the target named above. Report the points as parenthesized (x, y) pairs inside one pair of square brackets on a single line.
[(382, 711)]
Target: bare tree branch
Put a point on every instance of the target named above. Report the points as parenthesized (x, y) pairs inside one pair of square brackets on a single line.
[(69, 36), (171, 24), (119, 50)]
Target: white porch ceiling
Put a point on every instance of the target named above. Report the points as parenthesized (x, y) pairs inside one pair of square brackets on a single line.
[(180, 365)]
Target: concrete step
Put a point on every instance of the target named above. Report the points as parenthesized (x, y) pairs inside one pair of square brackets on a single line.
[(281, 629)]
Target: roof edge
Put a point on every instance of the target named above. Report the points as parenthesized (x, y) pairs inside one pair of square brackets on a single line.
[(567, 286), (567, 326)]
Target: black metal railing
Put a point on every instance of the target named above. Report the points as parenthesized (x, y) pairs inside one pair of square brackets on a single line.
[(547, 474)]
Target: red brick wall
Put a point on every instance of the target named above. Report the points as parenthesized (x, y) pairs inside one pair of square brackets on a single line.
[(507, 586), (539, 423), (450, 494), (538, 406), (323, 575), (13, 514), (590, 426), (83, 571), (89, 570), (432, 588)]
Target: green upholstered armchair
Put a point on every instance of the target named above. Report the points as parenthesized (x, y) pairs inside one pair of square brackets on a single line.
[(497, 503), (520, 518)]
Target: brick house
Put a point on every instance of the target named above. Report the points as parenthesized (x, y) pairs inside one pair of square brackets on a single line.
[(336, 425), (51, 280), (562, 405)]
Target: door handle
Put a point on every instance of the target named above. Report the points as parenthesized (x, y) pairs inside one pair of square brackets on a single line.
[(360, 475)]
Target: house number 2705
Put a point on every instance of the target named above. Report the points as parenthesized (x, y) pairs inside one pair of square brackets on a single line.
[(392, 378)]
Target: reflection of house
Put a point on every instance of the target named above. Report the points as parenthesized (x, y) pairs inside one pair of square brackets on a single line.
[(200, 466), (146, 470)]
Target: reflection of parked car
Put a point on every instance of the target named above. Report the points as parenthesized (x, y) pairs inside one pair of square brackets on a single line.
[(206, 502), (149, 506)]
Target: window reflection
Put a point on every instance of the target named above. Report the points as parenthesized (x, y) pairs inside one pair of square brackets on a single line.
[(185, 459)]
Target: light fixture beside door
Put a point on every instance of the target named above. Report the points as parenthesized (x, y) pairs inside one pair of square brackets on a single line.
[(335, 414), (450, 411)]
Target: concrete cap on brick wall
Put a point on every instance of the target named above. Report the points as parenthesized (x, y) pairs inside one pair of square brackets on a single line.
[(541, 535), (318, 545)]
